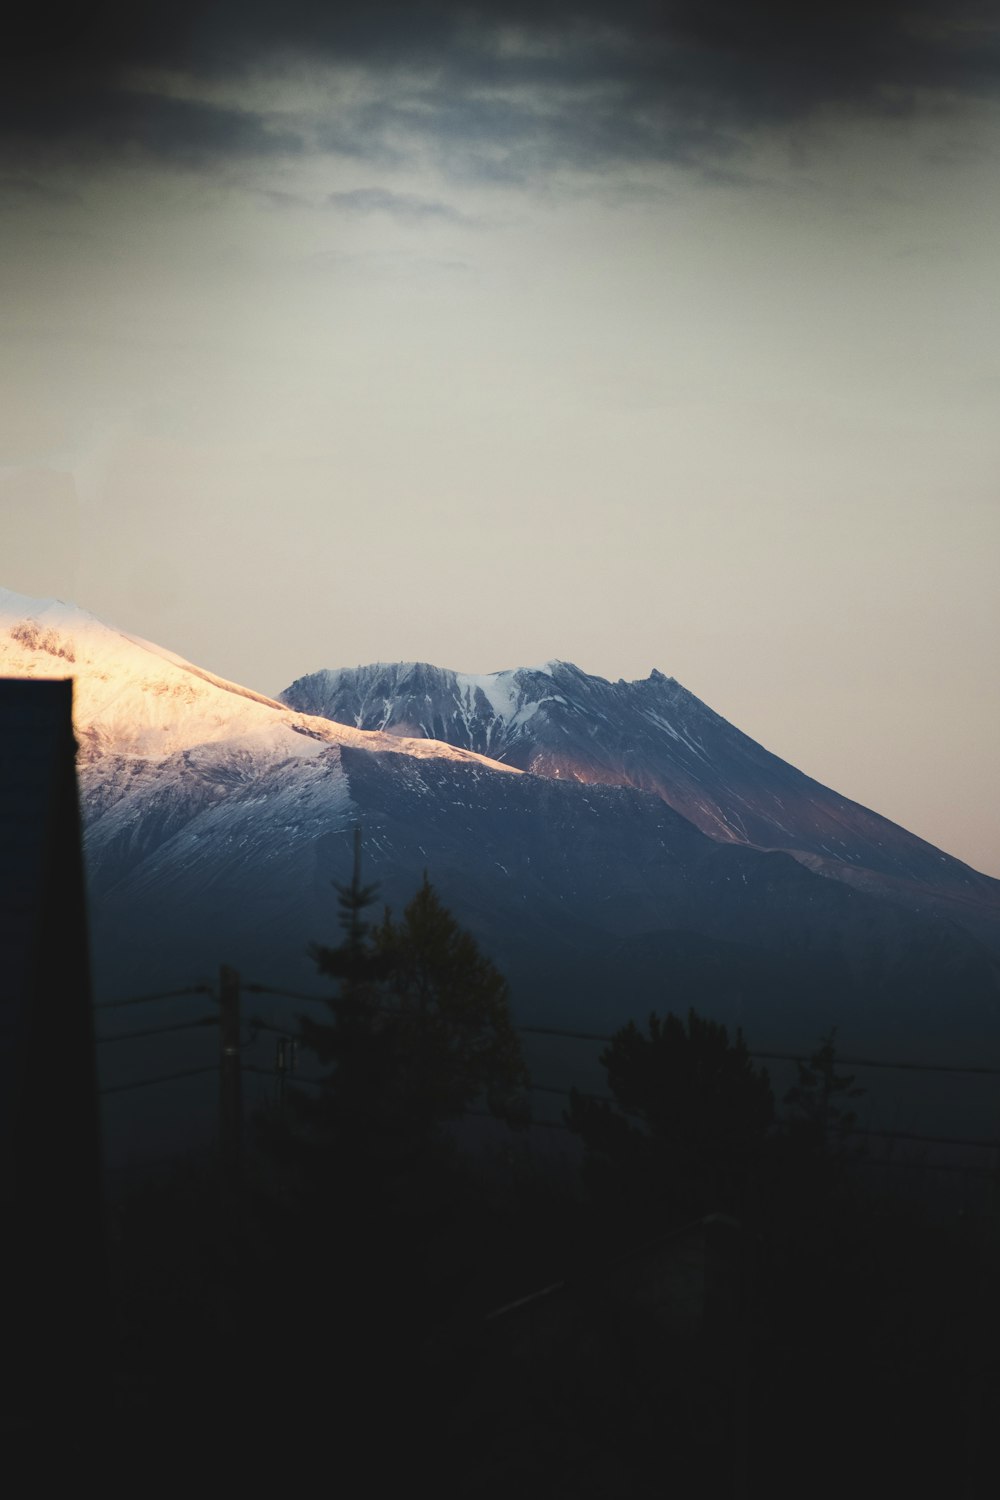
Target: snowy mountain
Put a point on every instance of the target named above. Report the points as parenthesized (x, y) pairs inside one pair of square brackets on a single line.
[(655, 736), (216, 819), (180, 769), (138, 700)]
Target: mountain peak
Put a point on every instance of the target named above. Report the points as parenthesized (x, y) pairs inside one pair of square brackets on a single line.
[(651, 734)]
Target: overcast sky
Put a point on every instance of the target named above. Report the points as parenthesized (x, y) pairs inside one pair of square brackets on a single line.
[(642, 335)]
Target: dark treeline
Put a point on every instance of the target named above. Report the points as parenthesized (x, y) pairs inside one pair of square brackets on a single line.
[(708, 1298)]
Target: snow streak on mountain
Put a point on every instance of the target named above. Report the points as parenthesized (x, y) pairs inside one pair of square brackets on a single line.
[(653, 735)]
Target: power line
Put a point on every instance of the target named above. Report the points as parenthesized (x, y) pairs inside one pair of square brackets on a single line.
[(294, 1081), (254, 988), (937, 1140), (128, 1036), (854, 1062), (551, 1031), (267, 989), (892, 1163), (871, 1062), (193, 989), (880, 1134), (591, 1036), (888, 1135), (576, 1036), (141, 1083), (256, 1024)]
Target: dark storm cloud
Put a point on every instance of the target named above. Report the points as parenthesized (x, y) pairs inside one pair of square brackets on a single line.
[(112, 121), (509, 86)]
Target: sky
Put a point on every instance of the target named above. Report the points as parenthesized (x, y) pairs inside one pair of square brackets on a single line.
[(639, 335)]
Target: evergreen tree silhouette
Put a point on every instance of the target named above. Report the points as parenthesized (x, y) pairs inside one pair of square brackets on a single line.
[(420, 1029), (687, 1125), (816, 1102)]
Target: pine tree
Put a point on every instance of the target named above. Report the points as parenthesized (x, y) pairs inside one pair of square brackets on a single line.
[(816, 1102), (455, 1039), (420, 1029), (687, 1123), (818, 1122)]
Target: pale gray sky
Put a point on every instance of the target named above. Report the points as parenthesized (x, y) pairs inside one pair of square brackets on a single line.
[(486, 351)]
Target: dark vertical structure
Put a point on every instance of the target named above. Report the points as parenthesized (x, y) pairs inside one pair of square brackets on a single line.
[(50, 1188), (230, 1081)]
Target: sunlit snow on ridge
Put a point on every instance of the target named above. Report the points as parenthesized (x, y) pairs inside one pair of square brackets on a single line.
[(135, 698)]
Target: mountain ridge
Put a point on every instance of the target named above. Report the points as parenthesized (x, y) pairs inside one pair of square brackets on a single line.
[(654, 735), (216, 823), (145, 700)]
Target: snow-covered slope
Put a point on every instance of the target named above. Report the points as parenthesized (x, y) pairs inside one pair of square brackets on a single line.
[(136, 699), (216, 820), (656, 736), (185, 776)]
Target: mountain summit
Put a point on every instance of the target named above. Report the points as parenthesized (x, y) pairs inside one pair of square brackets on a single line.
[(655, 736)]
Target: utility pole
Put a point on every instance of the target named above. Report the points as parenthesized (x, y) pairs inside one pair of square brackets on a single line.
[(286, 1051), (230, 1081)]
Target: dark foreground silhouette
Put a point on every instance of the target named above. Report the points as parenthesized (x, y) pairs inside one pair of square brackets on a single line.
[(488, 1322)]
